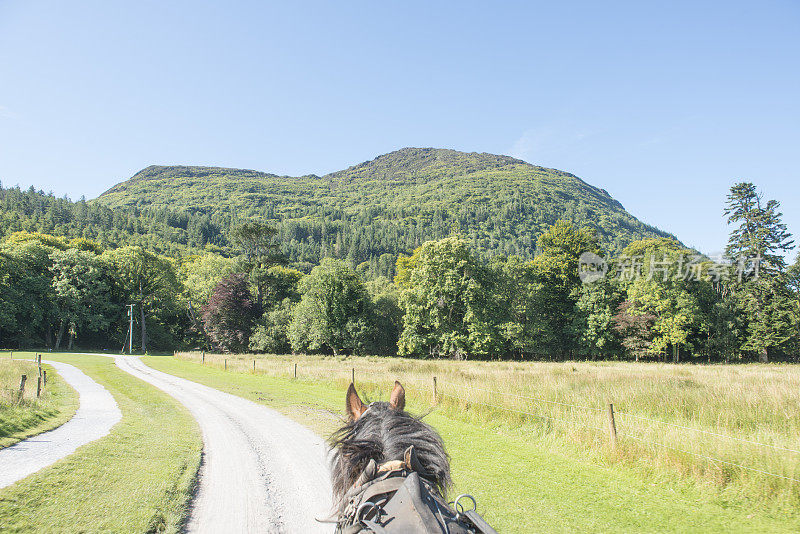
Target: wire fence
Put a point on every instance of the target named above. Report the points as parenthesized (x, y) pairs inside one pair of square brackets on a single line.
[(708, 432), (515, 410), (711, 458), (614, 430), (448, 391), (527, 397)]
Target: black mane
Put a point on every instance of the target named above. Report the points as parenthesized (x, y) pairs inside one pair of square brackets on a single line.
[(383, 434)]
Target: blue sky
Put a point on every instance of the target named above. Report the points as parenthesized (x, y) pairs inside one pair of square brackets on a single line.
[(664, 105)]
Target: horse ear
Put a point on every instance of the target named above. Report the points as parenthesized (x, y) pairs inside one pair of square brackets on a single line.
[(398, 398), (353, 404)]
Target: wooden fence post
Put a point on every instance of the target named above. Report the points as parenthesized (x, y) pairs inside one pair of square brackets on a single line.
[(353, 376), (435, 398), (39, 386), (254, 366), (12, 354), (44, 378), (203, 361), (612, 426), (226, 364), (295, 370), (22, 386)]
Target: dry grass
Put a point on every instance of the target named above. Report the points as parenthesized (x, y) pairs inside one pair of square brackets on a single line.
[(671, 420)]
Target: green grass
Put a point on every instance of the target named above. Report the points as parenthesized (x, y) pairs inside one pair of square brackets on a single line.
[(136, 479), (523, 481), (21, 418), (695, 408)]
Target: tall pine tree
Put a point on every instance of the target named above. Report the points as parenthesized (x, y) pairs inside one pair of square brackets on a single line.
[(758, 241)]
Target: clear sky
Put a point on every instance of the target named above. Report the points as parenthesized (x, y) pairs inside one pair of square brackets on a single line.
[(664, 105)]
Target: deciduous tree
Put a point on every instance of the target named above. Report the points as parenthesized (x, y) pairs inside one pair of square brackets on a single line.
[(229, 314), (445, 293), (83, 295), (148, 280), (333, 312)]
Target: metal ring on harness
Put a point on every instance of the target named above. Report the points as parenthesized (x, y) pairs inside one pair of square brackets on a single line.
[(366, 506), (460, 508)]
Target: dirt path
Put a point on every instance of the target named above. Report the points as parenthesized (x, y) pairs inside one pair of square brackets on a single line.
[(98, 412), (261, 472)]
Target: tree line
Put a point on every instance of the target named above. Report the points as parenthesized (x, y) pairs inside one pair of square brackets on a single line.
[(655, 299)]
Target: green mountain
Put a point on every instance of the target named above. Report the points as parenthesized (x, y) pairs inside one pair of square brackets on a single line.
[(390, 204)]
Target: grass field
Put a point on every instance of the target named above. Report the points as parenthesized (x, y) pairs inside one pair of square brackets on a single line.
[(543, 475), (136, 479), (27, 416)]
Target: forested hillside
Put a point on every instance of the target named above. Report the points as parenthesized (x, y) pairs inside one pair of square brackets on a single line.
[(376, 210), (166, 231)]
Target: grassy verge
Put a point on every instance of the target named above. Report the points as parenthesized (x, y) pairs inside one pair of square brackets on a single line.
[(21, 418), (524, 482), (137, 479)]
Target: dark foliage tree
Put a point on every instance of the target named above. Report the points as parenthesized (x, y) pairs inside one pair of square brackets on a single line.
[(229, 314), (635, 329)]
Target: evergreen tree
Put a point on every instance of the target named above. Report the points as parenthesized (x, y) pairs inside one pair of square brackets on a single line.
[(259, 251), (758, 240)]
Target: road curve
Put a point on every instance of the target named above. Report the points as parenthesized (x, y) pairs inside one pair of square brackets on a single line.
[(97, 413), (261, 471)]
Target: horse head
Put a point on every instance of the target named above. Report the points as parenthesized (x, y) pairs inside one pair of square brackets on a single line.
[(384, 433)]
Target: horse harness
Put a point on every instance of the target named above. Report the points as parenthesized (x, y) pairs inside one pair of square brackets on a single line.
[(394, 498)]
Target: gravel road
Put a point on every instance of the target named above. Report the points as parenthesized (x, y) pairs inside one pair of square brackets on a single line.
[(261, 471), (97, 413)]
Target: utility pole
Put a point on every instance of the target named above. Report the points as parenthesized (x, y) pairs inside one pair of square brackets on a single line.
[(130, 329)]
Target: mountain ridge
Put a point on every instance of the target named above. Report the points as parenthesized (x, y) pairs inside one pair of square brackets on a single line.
[(392, 203), (150, 169)]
